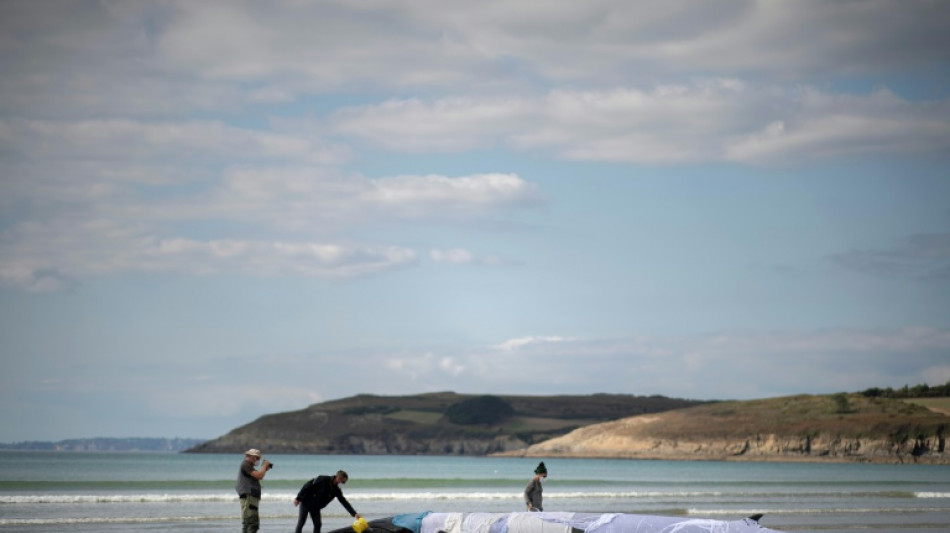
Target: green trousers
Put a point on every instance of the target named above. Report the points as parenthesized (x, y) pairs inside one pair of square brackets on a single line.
[(250, 518)]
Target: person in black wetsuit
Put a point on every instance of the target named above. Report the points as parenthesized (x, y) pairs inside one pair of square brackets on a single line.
[(316, 494)]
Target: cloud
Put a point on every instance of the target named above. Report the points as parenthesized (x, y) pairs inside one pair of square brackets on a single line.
[(522, 342), (125, 140), (449, 124), (308, 200), (827, 125), (454, 255), (94, 198), (48, 257), (923, 257), (722, 365), (416, 195), (160, 58), (703, 121), (460, 256), (427, 369), (336, 140), (807, 38), (559, 40), (84, 58)]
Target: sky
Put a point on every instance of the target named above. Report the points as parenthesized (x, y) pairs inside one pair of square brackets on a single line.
[(212, 211)]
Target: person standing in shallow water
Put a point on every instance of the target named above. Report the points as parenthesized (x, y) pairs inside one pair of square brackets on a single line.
[(249, 490), (532, 493)]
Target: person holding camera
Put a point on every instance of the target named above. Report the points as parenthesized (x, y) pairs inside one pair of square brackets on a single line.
[(316, 494), (249, 489)]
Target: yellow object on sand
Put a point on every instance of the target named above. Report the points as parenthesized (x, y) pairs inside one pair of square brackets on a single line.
[(360, 525)]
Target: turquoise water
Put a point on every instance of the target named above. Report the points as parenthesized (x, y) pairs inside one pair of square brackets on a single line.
[(47, 491)]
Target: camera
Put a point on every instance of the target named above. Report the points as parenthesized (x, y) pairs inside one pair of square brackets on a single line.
[(270, 465)]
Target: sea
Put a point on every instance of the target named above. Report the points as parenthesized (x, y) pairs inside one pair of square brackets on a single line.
[(164, 492)]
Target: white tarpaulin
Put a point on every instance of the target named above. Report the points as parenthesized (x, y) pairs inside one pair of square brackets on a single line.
[(581, 523)]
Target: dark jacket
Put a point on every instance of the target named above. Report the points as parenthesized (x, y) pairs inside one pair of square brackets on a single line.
[(533, 494), (320, 491)]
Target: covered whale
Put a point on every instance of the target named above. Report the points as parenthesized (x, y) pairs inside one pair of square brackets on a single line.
[(556, 522)]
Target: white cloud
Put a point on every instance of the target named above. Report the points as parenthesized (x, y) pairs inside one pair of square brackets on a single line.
[(453, 255), (422, 194), (461, 256), (828, 125), (90, 215), (159, 58), (132, 140), (522, 342), (451, 366), (706, 120), (444, 125), (197, 138), (425, 369), (735, 364), (48, 257), (602, 39), (307, 199)]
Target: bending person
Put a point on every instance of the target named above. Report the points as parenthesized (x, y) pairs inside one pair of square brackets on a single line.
[(316, 494)]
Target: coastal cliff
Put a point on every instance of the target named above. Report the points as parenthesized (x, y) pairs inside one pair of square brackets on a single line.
[(390, 444), (443, 423), (836, 427), (798, 428)]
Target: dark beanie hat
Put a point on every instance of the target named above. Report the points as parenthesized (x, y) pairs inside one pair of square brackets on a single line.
[(541, 469)]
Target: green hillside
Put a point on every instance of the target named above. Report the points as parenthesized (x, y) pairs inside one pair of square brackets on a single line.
[(435, 423), (842, 415), (864, 426)]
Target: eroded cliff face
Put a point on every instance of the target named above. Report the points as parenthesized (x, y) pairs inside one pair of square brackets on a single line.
[(798, 428), (930, 449), (436, 446), (588, 444), (384, 445)]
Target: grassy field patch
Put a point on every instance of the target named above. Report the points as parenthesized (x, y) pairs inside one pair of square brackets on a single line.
[(940, 405), (527, 423), (418, 417)]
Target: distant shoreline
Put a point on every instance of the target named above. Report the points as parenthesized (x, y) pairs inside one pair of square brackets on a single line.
[(106, 444), (938, 459), (922, 460)]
